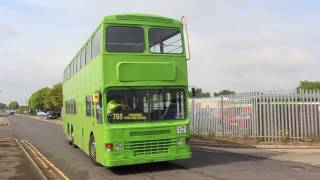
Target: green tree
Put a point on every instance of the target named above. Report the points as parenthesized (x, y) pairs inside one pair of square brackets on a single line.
[(47, 98), (54, 97), (224, 93), (39, 100), (22, 109), (200, 93), (13, 105), (309, 85)]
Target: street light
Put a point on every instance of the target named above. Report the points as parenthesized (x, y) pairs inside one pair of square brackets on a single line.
[(0, 91)]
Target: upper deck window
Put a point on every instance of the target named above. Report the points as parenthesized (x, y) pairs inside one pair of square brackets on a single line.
[(125, 39), (96, 44), (162, 40)]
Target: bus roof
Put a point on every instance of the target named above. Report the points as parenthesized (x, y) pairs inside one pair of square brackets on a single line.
[(139, 18), (136, 18)]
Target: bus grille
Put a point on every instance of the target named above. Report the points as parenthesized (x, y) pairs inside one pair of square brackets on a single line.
[(150, 147)]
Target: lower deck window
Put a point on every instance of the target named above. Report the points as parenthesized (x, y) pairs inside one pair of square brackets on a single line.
[(88, 106)]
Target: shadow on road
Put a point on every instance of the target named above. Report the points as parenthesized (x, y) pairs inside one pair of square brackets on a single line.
[(204, 157), (201, 158), (143, 168)]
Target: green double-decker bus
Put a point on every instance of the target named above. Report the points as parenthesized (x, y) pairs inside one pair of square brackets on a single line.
[(125, 92)]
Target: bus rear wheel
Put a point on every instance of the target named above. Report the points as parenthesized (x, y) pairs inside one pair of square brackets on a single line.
[(93, 150), (69, 136), (72, 139)]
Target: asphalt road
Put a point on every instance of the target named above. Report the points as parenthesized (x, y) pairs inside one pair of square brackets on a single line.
[(205, 164)]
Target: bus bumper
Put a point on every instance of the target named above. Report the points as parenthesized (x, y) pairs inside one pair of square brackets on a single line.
[(147, 159)]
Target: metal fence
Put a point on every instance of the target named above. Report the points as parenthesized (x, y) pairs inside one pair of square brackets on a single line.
[(267, 115)]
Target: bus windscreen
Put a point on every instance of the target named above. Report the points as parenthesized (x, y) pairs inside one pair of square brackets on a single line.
[(145, 105)]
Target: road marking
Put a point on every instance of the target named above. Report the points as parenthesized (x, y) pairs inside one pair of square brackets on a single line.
[(32, 148), (31, 160), (6, 139)]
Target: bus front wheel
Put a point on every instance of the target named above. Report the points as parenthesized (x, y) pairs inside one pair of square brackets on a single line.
[(92, 150)]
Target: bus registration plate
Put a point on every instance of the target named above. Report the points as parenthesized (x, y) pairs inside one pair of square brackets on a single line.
[(181, 129)]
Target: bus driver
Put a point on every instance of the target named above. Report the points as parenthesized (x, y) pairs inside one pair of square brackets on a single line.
[(116, 104)]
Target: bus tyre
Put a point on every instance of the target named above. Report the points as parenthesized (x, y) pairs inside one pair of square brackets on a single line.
[(69, 139), (69, 136), (92, 150), (72, 140)]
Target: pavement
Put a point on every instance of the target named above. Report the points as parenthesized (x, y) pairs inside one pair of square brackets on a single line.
[(3, 121), (14, 162), (226, 144), (208, 162), (307, 154)]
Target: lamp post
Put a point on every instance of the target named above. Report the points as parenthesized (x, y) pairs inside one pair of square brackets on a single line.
[(0, 91)]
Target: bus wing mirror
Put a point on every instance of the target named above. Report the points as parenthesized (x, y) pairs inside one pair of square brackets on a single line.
[(186, 37), (96, 98), (193, 92)]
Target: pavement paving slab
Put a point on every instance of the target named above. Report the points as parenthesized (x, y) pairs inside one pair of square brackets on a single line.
[(3, 121), (14, 164)]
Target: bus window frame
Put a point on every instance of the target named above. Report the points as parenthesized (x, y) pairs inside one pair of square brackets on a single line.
[(164, 27), (185, 99), (124, 25)]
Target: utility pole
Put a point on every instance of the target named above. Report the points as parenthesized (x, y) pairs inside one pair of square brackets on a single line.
[(0, 102)]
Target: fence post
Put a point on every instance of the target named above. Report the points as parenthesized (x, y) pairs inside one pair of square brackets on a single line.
[(222, 118), (192, 111)]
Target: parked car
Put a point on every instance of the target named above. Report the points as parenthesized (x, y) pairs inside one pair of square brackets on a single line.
[(8, 113), (52, 115), (41, 114)]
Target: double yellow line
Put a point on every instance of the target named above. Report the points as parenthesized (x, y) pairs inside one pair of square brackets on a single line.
[(46, 168)]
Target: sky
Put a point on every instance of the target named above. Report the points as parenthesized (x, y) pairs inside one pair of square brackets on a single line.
[(241, 45)]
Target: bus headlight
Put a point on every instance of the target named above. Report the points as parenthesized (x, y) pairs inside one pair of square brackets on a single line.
[(180, 141), (118, 146)]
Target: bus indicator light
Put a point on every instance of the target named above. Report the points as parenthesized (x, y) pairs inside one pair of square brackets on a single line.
[(108, 147)]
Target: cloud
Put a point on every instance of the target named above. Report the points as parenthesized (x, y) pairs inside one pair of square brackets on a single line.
[(6, 32), (239, 45)]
